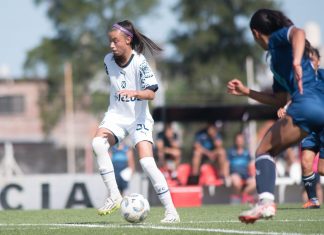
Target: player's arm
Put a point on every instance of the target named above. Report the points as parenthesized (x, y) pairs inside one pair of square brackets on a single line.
[(297, 39), (283, 111), (147, 94), (277, 99)]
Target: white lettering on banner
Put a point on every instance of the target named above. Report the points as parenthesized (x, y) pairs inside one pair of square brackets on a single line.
[(55, 191)]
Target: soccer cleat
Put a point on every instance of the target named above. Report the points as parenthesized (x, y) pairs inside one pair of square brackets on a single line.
[(262, 210), (312, 204), (110, 206), (171, 217)]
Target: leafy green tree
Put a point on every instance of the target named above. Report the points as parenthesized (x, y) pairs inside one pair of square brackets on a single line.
[(80, 38), (212, 42)]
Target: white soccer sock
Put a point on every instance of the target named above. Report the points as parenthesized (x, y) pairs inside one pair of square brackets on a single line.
[(158, 181), (100, 146)]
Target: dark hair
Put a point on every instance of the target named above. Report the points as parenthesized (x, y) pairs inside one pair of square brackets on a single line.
[(315, 51), (139, 41), (267, 21)]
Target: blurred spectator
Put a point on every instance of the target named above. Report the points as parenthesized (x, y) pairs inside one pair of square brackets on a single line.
[(122, 157), (240, 164), (288, 164), (208, 148), (168, 150)]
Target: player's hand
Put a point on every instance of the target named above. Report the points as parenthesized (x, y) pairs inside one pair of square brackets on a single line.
[(281, 112), (127, 93), (298, 73), (236, 87)]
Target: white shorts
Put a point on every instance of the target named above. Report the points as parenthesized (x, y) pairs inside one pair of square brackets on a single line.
[(138, 131)]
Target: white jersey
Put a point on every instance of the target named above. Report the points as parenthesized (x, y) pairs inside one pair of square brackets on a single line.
[(135, 75)]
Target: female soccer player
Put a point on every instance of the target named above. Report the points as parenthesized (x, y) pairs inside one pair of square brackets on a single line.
[(294, 75), (132, 84), (309, 148)]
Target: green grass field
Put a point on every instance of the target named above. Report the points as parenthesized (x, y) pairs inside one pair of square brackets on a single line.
[(213, 219)]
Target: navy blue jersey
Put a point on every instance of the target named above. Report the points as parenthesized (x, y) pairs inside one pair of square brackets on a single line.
[(239, 162), (306, 110), (280, 50), (205, 140), (320, 74)]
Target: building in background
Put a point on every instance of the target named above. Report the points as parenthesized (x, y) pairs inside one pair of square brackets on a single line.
[(21, 125), (313, 34), (20, 116)]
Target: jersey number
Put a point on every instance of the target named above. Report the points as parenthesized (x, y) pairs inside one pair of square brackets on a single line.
[(140, 127)]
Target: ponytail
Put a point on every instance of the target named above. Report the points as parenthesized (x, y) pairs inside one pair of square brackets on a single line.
[(139, 41), (310, 50)]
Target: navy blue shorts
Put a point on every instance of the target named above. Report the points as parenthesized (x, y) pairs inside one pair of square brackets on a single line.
[(311, 142), (307, 110)]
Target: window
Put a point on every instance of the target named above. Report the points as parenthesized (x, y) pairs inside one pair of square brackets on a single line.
[(12, 104)]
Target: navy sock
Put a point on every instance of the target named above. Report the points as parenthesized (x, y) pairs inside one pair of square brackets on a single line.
[(310, 182), (265, 174)]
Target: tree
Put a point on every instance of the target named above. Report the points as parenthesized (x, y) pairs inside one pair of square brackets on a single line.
[(81, 38), (212, 45)]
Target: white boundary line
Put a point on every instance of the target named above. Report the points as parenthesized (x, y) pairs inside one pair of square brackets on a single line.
[(260, 221), (153, 227)]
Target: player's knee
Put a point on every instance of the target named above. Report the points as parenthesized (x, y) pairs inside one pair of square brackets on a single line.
[(259, 151), (265, 148), (307, 168), (100, 145)]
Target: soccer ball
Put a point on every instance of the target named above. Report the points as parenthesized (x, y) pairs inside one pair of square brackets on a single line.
[(134, 208)]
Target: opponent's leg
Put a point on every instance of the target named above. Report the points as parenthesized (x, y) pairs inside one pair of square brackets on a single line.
[(280, 136)]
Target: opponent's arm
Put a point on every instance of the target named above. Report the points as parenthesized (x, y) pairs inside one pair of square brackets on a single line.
[(297, 39), (236, 87)]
